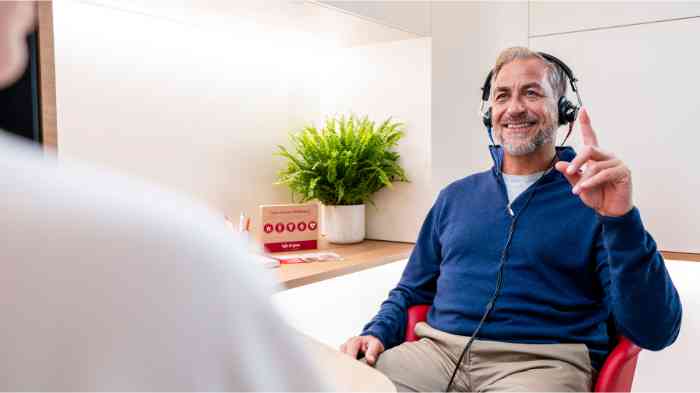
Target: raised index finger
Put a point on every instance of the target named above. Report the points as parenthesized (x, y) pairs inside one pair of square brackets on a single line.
[(589, 136)]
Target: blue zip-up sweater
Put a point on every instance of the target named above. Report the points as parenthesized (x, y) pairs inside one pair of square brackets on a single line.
[(569, 271)]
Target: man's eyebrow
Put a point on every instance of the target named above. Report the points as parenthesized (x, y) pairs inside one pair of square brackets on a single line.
[(532, 84), (523, 87)]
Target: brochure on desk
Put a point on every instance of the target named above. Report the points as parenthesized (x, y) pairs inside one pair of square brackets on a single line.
[(291, 227)]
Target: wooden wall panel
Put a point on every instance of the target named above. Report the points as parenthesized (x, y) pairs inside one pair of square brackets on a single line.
[(47, 75)]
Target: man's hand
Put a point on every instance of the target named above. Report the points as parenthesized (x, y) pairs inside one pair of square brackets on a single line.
[(603, 182), (370, 345)]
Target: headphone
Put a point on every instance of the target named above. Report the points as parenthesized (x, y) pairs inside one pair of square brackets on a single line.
[(567, 110)]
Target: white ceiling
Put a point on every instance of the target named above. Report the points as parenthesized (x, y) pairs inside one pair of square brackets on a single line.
[(324, 22), (409, 16)]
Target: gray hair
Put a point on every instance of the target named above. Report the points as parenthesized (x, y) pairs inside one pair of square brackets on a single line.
[(555, 75)]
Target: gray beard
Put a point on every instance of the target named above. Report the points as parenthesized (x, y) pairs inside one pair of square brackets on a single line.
[(544, 136)]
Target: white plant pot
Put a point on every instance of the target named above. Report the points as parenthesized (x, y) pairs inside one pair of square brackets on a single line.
[(344, 224)]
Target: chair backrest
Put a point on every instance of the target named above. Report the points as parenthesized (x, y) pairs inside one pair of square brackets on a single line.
[(616, 375)]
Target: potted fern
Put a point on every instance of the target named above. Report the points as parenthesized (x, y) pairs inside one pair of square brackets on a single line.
[(342, 165)]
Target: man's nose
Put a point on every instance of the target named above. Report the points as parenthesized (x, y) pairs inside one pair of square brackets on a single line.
[(515, 107)]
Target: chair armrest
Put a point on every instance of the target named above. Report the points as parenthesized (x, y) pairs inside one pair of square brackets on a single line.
[(417, 313), (617, 373)]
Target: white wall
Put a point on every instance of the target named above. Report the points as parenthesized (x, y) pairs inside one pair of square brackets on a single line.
[(639, 82), (466, 36), (382, 80), (195, 96), (550, 17), (192, 109)]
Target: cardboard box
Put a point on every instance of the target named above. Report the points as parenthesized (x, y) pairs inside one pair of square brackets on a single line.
[(285, 228)]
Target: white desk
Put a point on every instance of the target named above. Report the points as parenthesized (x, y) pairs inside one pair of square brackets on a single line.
[(347, 374), (673, 369), (356, 298)]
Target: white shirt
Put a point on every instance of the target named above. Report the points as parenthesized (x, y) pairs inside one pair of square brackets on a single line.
[(108, 283), (516, 184)]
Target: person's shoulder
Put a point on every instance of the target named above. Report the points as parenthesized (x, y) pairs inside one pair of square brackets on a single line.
[(467, 184), (82, 210), (107, 251)]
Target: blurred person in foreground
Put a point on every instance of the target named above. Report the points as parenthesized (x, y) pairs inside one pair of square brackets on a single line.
[(109, 284)]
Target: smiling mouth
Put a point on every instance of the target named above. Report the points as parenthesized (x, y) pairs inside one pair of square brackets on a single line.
[(521, 126)]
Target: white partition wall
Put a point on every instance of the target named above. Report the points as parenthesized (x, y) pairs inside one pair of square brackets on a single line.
[(467, 37), (383, 80), (640, 83)]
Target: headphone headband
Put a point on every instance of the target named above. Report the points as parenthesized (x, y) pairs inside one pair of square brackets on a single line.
[(486, 89), (567, 111)]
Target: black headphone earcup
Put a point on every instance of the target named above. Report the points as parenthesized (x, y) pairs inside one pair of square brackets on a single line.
[(567, 111), (487, 118)]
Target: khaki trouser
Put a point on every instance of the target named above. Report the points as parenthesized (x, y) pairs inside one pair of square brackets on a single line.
[(426, 365)]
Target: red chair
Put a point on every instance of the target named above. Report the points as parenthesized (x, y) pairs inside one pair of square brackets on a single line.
[(616, 375)]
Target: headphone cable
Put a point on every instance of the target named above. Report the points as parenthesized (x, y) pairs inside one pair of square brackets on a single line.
[(499, 275)]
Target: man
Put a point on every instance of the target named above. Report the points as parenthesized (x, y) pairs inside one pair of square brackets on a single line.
[(576, 259), (112, 285)]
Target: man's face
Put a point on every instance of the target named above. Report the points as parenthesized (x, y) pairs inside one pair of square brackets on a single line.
[(524, 112), (16, 20)]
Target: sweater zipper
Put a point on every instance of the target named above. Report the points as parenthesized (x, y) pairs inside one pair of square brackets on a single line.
[(504, 192)]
